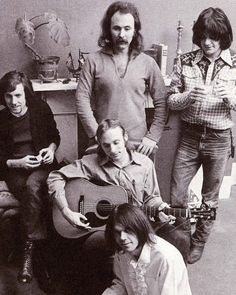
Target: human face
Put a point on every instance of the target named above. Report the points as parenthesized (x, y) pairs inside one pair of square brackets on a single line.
[(211, 48), (113, 144), (16, 101), (122, 30), (126, 240)]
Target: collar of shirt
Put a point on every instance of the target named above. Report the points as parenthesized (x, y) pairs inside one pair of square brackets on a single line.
[(144, 258), (110, 52), (133, 156), (225, 56)]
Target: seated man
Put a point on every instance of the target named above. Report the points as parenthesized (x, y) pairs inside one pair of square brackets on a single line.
[(28, 141), (143, 263), (115, 164)]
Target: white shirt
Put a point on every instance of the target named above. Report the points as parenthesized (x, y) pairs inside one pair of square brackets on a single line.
[(160, 270)]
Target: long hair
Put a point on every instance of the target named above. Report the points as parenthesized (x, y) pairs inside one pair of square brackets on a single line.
[(133, 220), (213, 23), (105, 39), (103, 127), (9, 82)]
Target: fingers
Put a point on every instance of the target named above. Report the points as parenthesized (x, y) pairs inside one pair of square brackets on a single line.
[(144, 149)]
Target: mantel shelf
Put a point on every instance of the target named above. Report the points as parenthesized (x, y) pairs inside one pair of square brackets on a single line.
[(53, 86)]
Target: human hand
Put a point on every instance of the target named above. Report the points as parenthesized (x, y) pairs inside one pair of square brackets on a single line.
[(224, 92), (146, 146), (28, 162), (199, 93), (164, 217), (47, 155), (76, 219)]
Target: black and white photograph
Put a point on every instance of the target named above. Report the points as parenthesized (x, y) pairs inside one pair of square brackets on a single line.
[(117, 147)]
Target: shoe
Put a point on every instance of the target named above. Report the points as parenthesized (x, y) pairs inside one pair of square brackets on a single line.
[(195, 253), (25, 275)]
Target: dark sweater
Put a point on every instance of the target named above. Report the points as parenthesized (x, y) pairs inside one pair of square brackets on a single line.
[(42, 127)]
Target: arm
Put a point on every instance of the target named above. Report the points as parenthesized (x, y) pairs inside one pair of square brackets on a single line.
[(173, 278), (83, 98), (56, 186), (177, 97), (157, 91)]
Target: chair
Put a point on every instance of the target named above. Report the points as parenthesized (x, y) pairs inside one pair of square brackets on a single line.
[(9, 205)]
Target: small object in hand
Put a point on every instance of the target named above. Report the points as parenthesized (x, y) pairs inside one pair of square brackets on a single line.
[(39, 158), (66, 81)]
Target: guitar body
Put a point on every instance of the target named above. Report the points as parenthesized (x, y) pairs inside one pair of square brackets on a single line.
[(96, 203), (93, 201)]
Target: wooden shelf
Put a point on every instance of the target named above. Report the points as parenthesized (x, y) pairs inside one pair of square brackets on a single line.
[(38, 86)]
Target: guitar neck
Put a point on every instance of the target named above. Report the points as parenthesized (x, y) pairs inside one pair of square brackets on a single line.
[(177, 212)]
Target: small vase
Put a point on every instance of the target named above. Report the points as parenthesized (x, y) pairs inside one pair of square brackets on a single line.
[(47, 68)]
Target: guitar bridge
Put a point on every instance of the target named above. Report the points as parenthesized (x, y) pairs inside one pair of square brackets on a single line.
[(81, 204)]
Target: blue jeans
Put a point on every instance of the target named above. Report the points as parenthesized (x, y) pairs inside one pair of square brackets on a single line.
[(209, 148)]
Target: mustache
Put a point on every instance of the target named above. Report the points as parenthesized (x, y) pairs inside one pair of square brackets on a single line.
[(121, 40)]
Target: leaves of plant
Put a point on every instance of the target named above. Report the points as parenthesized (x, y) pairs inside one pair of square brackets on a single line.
[(57, 29), (25, 30)]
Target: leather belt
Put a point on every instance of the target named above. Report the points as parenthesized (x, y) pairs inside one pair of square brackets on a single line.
[(202, 128)]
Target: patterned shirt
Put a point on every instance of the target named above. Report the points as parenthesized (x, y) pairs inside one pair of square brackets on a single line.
[(160, 270), (194, 69)]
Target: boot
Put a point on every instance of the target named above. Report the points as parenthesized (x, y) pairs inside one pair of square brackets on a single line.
[(25, 274)]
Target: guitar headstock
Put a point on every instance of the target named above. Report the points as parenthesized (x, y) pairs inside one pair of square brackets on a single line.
[(203, 212)]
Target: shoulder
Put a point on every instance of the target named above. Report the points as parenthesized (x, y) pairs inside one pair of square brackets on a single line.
[(166, 250), (189, 57), (145, 58), (233, 56), (4, 117), (37, 104), (142, 159)]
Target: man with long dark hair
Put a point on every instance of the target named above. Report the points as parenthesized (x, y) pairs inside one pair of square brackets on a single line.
[(114, 81), (203, 89), (28, 141), (144, 263)]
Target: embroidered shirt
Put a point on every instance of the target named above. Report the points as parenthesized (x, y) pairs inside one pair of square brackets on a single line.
[(102, 94), (160, 270), (195, 69), (138, 178)]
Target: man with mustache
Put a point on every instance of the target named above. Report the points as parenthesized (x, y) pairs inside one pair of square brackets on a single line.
[(114, 81)]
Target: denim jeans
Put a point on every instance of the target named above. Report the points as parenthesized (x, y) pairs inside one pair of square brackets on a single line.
[(209, 148)]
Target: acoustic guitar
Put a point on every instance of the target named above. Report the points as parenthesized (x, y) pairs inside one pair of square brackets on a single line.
[(96, 203)]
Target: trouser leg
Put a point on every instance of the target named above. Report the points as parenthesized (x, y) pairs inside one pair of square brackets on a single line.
[(213, 173), (30, 189)]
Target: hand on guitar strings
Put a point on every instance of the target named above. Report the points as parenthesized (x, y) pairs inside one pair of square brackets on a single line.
[(76, 219)]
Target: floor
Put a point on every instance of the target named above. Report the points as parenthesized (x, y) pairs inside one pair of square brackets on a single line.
[(214, 274)]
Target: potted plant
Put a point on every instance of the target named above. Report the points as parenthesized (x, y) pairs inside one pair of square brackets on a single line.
[(26, 28)]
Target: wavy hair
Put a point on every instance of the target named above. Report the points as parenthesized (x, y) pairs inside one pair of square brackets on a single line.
[(213, 23), (105, 39), (133, 220), (9, 82)]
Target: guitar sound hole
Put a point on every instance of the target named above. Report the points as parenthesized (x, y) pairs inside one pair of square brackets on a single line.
[(104, 208)]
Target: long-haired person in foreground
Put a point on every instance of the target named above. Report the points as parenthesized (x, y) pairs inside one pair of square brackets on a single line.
[(144, 263)]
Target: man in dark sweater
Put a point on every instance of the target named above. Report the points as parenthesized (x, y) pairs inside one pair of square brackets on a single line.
[(28, 141)]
